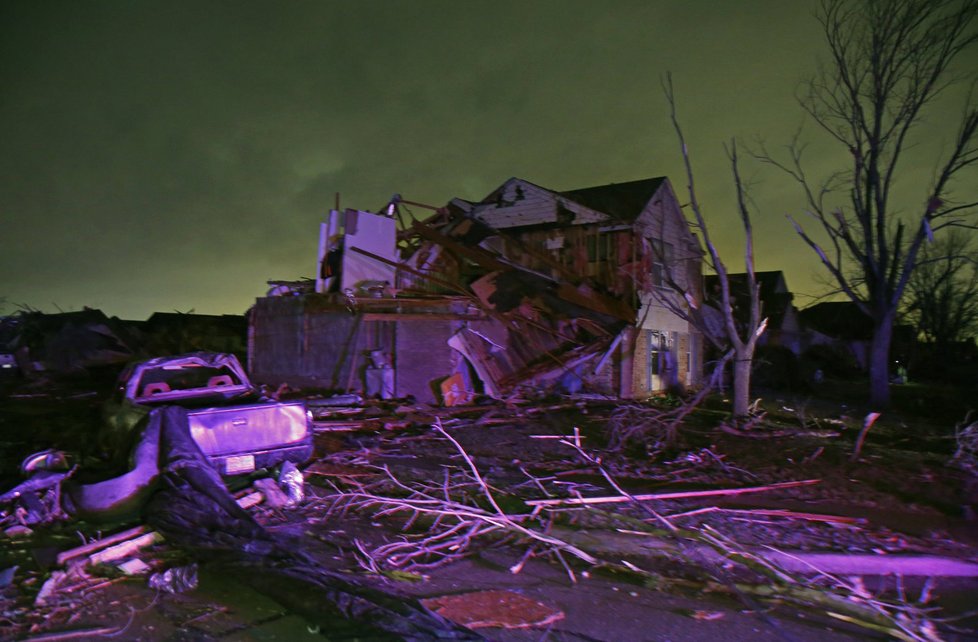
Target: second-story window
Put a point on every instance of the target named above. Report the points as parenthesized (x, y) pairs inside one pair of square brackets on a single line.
[(662, 262)]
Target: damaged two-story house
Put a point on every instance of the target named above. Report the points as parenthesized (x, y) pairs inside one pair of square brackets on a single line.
[(525, 287)]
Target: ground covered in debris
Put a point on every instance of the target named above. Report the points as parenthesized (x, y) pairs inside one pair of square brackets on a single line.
[(559, 518)]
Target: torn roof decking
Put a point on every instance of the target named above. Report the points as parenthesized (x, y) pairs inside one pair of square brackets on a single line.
[(585, 298)]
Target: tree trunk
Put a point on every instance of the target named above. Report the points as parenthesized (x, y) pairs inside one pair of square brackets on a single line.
[(741, 385), (879, 362)]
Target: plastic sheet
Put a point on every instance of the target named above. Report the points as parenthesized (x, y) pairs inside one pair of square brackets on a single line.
[(178, 579), (293, 483)]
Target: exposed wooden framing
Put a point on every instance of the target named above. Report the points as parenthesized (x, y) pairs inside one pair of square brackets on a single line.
[(403, 266), (480, 256), (414, 316)]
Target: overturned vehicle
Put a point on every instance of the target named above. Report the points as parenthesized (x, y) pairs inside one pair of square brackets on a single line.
[(235, 428), (238, 430)]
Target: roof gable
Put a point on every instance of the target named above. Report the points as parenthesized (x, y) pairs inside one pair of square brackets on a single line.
[(520, 203), (622, 201), (771, 282)]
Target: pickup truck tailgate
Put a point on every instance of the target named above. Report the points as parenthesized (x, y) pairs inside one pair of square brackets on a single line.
[(248, 429)]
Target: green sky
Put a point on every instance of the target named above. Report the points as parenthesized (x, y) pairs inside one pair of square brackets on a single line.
[(177, 155)]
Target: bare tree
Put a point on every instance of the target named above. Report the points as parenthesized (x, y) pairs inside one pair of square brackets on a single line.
[(943, 292), (729, 332), (888, 61)]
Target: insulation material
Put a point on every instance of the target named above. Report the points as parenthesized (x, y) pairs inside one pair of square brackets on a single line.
[(374, 234)]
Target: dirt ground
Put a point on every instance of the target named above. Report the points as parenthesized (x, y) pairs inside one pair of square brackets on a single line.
[(656, 574)]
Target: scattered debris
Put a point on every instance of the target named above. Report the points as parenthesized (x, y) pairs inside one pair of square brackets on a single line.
[(274, 496), (513, 474), (966, 453)]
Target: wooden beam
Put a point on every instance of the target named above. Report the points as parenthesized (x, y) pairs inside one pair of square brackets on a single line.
[(419, 316), (621, 499)]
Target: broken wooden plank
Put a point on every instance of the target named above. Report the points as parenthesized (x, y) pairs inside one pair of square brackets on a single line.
[(129, 541), (620, 499), (99, 544), (338, 426), (124, 549)]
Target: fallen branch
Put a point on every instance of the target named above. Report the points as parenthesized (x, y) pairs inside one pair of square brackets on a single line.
[(74, 634), (867, 424), (770, 512), (620, 499), (455, 524)]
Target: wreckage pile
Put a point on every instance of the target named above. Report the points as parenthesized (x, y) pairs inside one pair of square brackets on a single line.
[(527, 289)]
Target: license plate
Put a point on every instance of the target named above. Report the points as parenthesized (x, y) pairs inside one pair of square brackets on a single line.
[(239, 464)]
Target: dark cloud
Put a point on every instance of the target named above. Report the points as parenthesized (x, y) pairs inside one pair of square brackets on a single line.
[(176, 155)]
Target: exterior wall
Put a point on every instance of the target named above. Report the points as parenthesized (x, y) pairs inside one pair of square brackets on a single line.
[(291, 341), (306, 342), (662, 221)]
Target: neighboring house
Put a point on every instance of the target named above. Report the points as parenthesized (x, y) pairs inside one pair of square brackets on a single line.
[(9, 341), (839, 325), (783, 321), (68, 341), (842, 325), (167, 333), (528, 286)]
